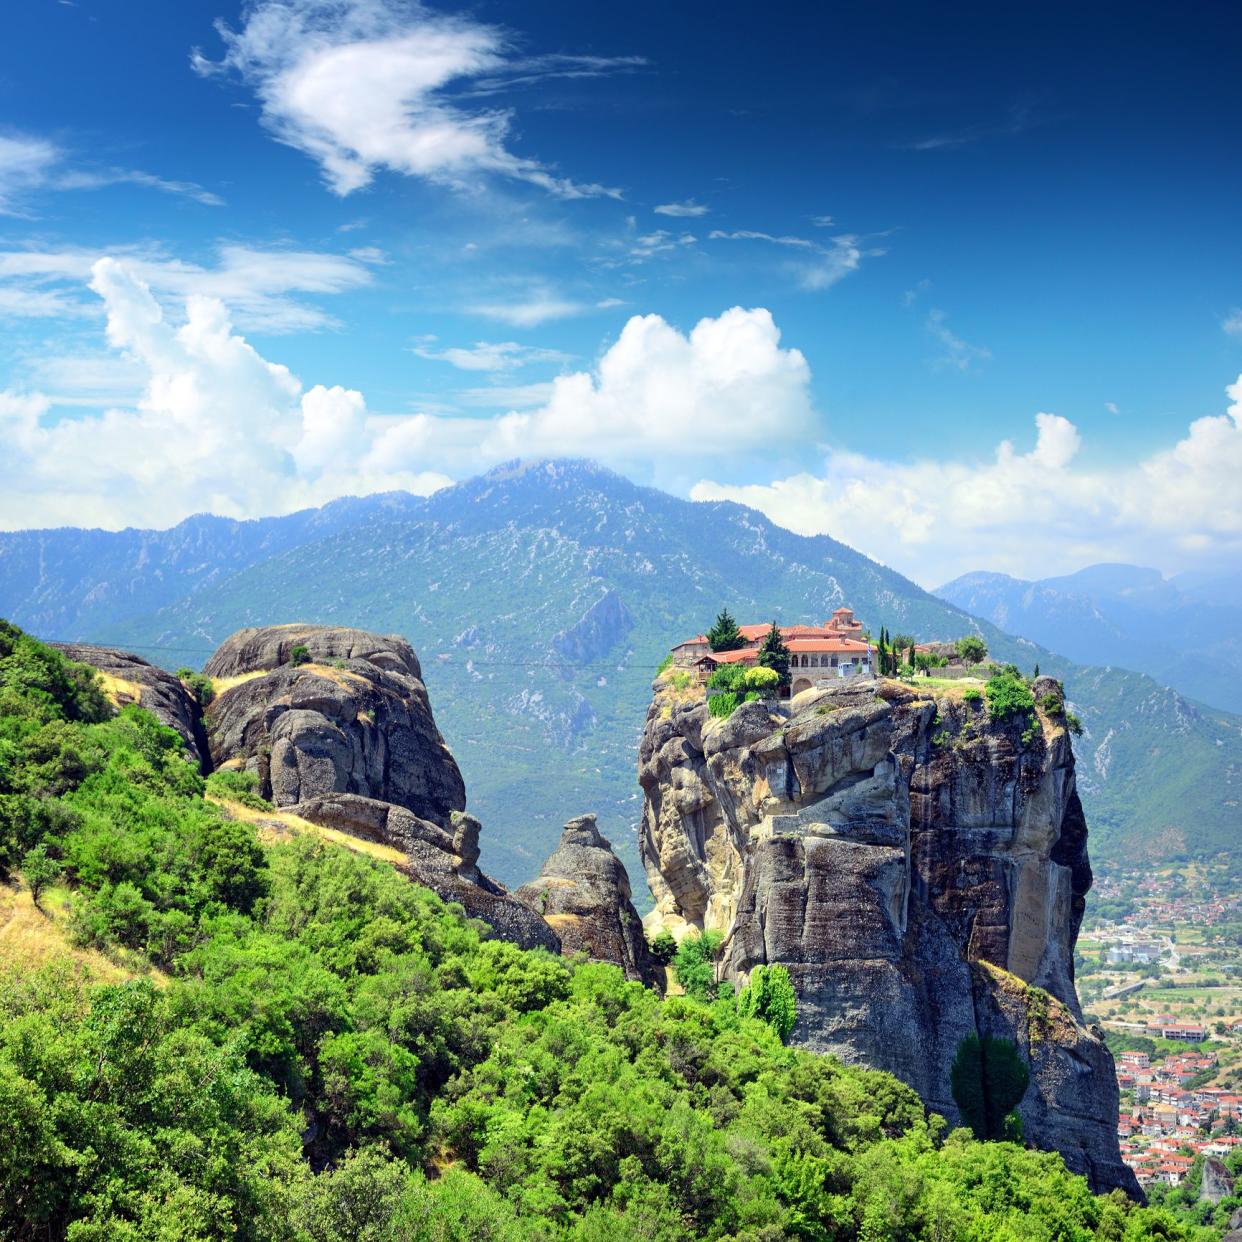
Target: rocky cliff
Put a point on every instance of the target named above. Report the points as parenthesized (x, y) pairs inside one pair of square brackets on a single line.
[(128, 678), (583, 892), (920, 870)]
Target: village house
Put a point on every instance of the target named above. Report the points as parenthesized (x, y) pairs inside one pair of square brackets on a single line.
[(818, 654)]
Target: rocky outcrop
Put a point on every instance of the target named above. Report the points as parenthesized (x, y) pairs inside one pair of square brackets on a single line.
[(354, 718), (1217, 1183), (130, 679), (919, 869), (346, 740), (443, 860), (583, 892)]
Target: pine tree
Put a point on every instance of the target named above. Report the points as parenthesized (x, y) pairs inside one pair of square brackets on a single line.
[(724, 635), (774, 654)]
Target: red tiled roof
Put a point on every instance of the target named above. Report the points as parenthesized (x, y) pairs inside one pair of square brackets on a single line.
[(743, 655)]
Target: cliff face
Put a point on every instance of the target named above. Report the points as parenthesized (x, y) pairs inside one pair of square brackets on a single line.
[(355, 718), (583, 892), (920, 870)]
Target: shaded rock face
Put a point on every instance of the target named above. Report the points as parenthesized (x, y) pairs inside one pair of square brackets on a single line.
[(443, 860), (129, 678), (1217, 1184), (583, 892), (354, 719), (920, 870)]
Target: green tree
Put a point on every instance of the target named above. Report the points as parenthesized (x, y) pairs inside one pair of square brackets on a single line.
[(774, 654), (40, 869), (724, 634), (299, 655), (694, 967), (988, 1079), (663, 946), (769, 996), (972, 649)]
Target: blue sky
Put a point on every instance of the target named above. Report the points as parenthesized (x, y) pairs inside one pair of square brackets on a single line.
[(255, 256)]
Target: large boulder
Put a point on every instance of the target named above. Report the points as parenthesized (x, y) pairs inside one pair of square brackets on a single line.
[(128, 678), (353, 718), (583, 891)]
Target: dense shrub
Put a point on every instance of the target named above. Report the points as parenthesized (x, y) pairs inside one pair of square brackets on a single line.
[(238, 785), (1009, 697)]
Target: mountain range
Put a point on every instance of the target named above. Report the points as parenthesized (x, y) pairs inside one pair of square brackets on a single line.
[(541, 598), (1185, 631)]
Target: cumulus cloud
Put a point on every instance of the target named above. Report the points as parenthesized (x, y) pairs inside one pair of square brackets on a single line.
[(260, 287), (364, 85), (216, 426), (487, 355), (1029, 514), (686, 210)]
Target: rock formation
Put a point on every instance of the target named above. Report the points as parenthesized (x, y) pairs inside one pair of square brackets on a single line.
[(1217, 1183), (354, 718), (583, 892), (920, 870), (130, 679), (346, 739)]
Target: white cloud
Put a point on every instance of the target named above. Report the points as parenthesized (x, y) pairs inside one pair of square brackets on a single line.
[(1233, 323), (1028, 514), (1112, 407), (29, 163), (364, 85), (540, 306), (488, 355), (215, 426), (686, 210), (958, 353), (824, 265), (260, 287), (24, 162)]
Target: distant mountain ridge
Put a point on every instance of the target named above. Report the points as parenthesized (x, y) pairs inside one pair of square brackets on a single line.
[(541, 598), (1186, 632)]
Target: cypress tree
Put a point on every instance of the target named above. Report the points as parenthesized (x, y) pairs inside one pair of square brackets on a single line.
[(774, 654), (724, 635)]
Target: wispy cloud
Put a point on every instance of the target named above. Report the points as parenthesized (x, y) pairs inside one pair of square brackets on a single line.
[(487, 355), (29, 163), (687, 210), (1232, 324), (824, 266), (364, 85), (1021, 118), (960, 354), (539, 307)]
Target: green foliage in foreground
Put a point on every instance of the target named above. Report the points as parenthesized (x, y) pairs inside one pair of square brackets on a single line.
[(338, 1055)]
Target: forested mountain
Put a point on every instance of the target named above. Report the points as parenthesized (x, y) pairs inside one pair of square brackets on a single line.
[(1186, 632), (542, 598)]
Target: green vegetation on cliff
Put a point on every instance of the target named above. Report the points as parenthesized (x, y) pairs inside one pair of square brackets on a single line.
[(332, 1053)]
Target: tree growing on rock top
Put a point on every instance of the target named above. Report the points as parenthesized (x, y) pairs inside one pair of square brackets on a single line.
[(774, 654), (724, 634)]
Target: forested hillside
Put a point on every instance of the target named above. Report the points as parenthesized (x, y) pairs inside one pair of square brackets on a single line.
[(302, 1045)]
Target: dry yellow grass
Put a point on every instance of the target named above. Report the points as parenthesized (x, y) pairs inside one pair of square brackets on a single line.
[(222, 685), (119, 690), (562, 920), (282, 826), (32, 937)]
